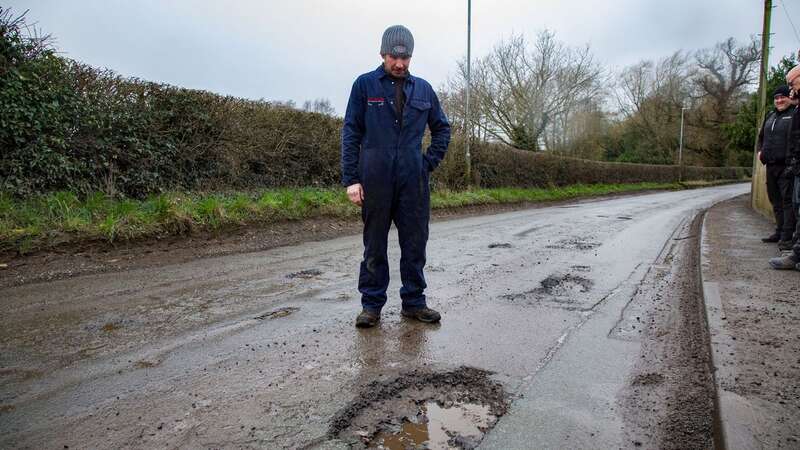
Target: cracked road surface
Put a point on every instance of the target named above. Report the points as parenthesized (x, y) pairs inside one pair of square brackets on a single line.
[(259, 349)]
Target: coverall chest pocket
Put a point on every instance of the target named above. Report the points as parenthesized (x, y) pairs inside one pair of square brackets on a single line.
[(418, 112)]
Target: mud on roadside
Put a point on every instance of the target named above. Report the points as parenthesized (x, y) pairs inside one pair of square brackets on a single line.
[(669, 400)]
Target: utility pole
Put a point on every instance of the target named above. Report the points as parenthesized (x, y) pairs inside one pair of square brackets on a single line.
[(758, 197), (466, 110), (680, 148), (762, 79)]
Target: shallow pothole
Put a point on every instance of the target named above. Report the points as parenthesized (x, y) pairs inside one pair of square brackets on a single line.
[(557, 290), (305, 274), (431, 410), (278, 313), (574, 244), (564, 285)]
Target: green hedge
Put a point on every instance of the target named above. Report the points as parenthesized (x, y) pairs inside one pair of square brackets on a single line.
[(66, 126), (497, 165)]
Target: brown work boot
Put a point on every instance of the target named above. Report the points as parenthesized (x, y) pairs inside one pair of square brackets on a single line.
[(367, 319), (784, 262), (425, 314)]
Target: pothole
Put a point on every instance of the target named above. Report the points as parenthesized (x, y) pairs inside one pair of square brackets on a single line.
[(574, 244), (500, 245), (309, 273), (281, 312), (558, 290), (565, 285), (432, 410), (461, 426)]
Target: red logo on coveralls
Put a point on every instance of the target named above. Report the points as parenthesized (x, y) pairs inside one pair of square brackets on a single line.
[(375, 101)]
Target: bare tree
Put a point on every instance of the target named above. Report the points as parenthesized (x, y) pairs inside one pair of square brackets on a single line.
[(320, 105), (520, 91), (650, 96), (668, 79), (453, 99), (724, 76), (725, 71)]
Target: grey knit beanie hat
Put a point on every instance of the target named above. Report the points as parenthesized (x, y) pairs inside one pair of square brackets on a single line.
[(397, 41)]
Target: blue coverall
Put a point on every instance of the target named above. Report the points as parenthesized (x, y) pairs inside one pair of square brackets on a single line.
[(388, 162)]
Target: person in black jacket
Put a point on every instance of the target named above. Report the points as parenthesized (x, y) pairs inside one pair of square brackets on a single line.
[(773, 142), (792, 260)]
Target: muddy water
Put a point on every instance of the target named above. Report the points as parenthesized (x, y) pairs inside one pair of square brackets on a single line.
[(259, 349), (436, 427)]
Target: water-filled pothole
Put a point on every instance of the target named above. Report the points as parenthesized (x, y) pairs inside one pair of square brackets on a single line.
[(462, 425), (422, 409)]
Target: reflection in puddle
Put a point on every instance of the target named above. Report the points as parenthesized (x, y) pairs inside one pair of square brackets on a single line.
[(434, 426)]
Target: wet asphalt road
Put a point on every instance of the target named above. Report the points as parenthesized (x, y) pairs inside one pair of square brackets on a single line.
[(259, 349)]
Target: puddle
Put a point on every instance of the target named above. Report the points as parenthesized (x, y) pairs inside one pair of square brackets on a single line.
[(435, 427), (111, 326), (109, 323), (433, 410), (282, 312), (338, 298), (310, 273)]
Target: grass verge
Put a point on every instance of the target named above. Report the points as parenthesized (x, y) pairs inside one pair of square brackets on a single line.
[(49, 220)]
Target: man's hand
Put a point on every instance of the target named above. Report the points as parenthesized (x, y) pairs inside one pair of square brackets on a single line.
[(356, 193)]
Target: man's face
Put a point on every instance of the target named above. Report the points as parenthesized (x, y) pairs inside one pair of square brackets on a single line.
[(782, 102), (396, 65), (795, 86)]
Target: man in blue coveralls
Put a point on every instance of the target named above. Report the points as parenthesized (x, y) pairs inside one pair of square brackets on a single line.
[(387, 174)]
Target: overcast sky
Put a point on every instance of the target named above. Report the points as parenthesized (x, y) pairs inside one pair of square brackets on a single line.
[(307, 49)]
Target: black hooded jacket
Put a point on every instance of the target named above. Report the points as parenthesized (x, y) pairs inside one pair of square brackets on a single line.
[(774, 137)]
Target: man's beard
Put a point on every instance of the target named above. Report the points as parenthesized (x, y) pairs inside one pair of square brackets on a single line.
[(395, 74)]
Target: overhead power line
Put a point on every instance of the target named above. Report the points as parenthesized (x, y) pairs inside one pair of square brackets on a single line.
[(785, 11)]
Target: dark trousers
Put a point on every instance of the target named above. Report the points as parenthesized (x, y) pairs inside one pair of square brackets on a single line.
[(402, 198), (796, 206), (780, 189)]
